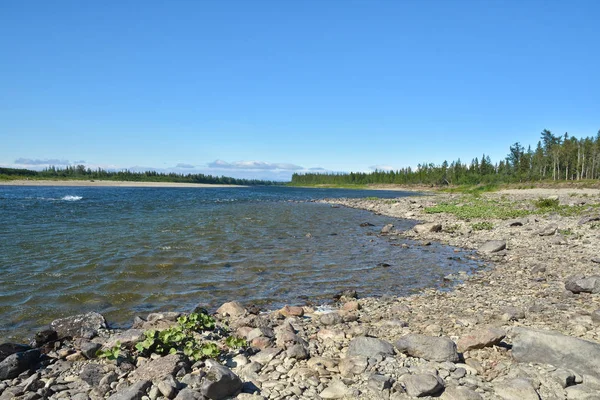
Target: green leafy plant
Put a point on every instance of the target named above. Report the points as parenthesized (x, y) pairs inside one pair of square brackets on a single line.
[(547, 203), (236, 342), (110, 354), (482, 226)]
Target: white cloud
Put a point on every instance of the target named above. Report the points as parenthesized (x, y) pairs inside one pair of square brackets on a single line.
[(184, 165), (254, 165), (38, 162)]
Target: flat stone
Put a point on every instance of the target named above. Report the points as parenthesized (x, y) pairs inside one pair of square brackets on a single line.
[(89, 349), (265, 355), (421, 385), (335, 390), (369, 347), (379, 382), (292, 311), (550, 347), (480, 338), (331, 318), (492, 246), (81, 325), (582, 284), (158, 369), (548, 230), (127, 338), (431, 348), (430, 227), (351, 366), (220, 382), (134, 392), (92, 374), (516, 389), (460, 393)]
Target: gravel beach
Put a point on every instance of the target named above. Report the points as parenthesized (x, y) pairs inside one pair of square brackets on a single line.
[(526, 325)]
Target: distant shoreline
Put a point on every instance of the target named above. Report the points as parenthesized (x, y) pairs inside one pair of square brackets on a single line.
[(93, 183)]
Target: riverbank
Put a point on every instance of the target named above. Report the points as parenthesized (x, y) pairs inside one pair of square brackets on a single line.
[(92, 183), (528, 328)]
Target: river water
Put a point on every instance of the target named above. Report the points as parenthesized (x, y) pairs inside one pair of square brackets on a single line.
[(130, 251)]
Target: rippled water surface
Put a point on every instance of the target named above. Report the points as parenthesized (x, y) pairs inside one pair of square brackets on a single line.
[(129, 251)]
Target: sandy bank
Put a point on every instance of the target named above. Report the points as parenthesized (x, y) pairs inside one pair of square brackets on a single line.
[(111, 183)]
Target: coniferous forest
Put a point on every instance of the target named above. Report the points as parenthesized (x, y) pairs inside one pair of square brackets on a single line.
[(556, 157), (80, 172)]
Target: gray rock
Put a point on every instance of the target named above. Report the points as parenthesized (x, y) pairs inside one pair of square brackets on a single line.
[(220, 382), (492, 246), (127, 338), (369, 347), (549, 347), (158, 369), (298, 351), (480, 338), (430, 348), (516, 389), (582, 392), (168, 387), (6, 349), (331, 318), (351, 366), (92, 374), (133, 392), (43, 337), (548, 230), (596, 316), (335, 390), (82, 325), (89, 349), (563, 377), (421, 385), (189, 394), (232, 309), (582, 284), (265, 355), (518, 222), (16, 363), (387, 229), (460, 393), (589, 218), (430, 227), (379, 382)]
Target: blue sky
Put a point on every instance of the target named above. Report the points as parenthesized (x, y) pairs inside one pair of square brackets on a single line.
[(265, 88)]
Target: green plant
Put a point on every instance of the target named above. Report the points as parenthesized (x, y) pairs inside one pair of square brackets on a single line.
[(181, 337), (452, 228), (110, 354), (236, 342), (371, 198), (565, 232), (547, 203), (482, 226)]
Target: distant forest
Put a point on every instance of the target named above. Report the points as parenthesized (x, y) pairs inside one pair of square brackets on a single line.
[(561, 157), (80, 172)]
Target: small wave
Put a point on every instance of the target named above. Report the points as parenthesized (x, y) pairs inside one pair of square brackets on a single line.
[(71, 198)]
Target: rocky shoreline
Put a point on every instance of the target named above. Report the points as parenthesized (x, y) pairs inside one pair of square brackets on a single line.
[(529, 328)]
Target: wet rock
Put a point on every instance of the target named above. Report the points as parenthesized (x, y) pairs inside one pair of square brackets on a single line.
[(387, 229), (516, 389), (421, 385), (492, 246), (581, 284), (82, 325), (134, 392), (43, 337), (369, 347), (16, 363), (424, 228), (232, 309), (6, 349), (460, 393), (335, 390), (346, 294), (549, 347), (158, 369), (480, 338), (365, 224), (220, 382), (430, 348)]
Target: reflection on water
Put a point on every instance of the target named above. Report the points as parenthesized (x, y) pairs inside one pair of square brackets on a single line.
[(128, 251)]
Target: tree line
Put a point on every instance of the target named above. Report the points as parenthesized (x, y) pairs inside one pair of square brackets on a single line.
[(80, 172), (556, 157)]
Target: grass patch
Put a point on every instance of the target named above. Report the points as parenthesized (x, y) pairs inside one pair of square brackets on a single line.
[(472, 190), (546, 203), (452, 228), (479, 208), (482, 226)]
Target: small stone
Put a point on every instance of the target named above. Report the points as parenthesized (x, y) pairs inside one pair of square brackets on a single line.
[(293, 311), (158, 369), (430, 227), (548, 230), (335, 390), (232, 309), (379, 382), (582, 284), (369, 347), (516, 389), (220, 382), (492, 246), (387, 229), (92, 374), (331, 318), (89, 349), (134, 392), (480, 338), (460, 393), (430, 348)]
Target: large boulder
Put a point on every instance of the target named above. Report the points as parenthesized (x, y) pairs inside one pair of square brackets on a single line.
[(232, 309), (6, 349), (81, 325), (430, 227), (369, 347), (16, 363), (549, 347), (583, 284), (220, 382), (516, 389), (430, 348)]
